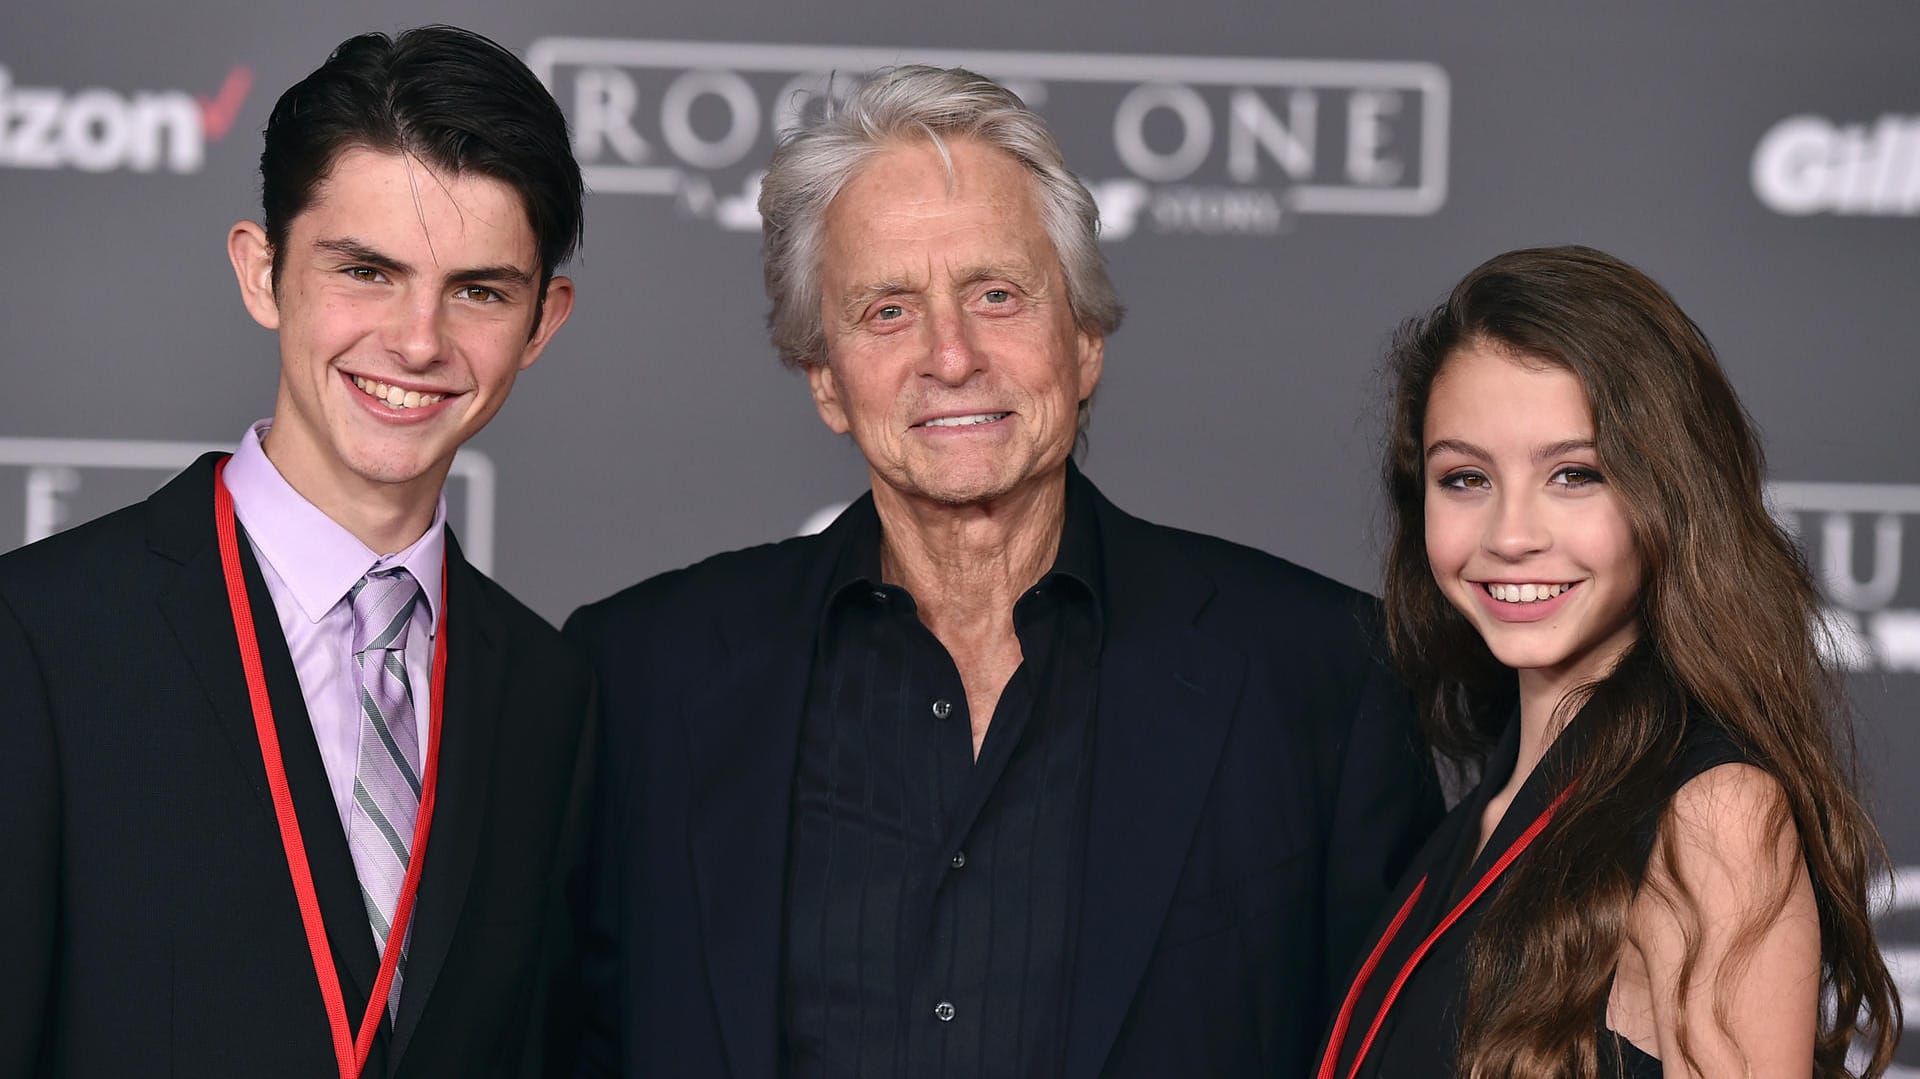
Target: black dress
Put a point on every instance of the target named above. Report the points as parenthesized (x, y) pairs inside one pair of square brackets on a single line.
[(1419, 1037)]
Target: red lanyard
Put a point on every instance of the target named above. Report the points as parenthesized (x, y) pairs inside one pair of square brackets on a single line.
[(348, 1051), (1329, 1060)]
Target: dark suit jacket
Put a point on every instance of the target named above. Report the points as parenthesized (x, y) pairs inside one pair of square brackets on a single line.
[(1257, 786), (148, 925)]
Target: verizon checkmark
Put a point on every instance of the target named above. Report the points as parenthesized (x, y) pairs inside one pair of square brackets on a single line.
[(217, 113)]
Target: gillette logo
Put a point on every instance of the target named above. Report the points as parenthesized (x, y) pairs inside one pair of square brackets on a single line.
[(1811, 165)]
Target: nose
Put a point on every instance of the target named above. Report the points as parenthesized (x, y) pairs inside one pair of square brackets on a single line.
[(1516, 528), (951, 355), (415, 331)]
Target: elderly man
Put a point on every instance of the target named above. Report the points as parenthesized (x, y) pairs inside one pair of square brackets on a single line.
[(989, 778)]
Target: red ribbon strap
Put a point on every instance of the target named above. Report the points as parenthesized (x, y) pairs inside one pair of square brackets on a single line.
[(1329, 1061), (349, 1051)]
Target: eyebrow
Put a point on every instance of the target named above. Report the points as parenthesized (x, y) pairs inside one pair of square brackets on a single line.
[(1019, 271), (358, 251), (856, 300), (1544, 453)]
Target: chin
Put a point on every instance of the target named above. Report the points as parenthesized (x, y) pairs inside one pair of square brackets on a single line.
[(985, 482), (394, 469), (1529, 659), (971, 494), (952, 486)]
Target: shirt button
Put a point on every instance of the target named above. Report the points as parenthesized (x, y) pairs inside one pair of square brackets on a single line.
[(942, 708), (879, 596), (959, 859), (943, 1011)]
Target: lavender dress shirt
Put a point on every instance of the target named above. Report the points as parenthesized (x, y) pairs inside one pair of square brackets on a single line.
[(310, 562)]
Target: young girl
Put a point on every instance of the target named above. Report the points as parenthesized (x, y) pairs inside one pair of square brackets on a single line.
[(1663, 870)]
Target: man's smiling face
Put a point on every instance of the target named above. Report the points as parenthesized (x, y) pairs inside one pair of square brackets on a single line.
[(406, 303), (953, 357)]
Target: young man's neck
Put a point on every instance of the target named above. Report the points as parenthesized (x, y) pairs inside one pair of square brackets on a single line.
[(388, 518)]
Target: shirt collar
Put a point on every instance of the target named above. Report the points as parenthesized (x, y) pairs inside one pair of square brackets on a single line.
[(1079, 559), (314, 555)]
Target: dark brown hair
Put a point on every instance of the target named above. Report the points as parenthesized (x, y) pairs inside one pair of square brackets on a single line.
[(456, 100), (1730, 630)]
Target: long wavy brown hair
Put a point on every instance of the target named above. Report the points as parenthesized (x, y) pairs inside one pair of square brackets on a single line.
[(1730, 629)]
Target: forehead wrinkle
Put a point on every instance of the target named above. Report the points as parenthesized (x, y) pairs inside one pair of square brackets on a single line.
[(1017, 268), (892, 271)]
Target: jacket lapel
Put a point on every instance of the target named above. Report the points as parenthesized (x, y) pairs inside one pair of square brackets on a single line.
[(743, 735), (194, 603), (195, 606), (475, 636), (1167, 697)]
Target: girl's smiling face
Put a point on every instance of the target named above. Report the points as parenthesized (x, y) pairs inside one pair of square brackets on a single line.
[(1524, 535)]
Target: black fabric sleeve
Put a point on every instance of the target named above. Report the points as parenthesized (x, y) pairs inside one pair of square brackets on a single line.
[(1387, 801), (591, 1033), (30, 840)]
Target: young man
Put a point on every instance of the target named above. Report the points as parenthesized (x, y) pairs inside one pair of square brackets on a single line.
[(241, 713)]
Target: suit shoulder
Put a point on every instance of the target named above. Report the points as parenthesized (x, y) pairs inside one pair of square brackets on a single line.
[(535, 640), (719, 582), (77, 557), (1250, 575)]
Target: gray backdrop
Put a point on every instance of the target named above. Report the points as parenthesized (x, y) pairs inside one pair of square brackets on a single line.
[(1282, 185)]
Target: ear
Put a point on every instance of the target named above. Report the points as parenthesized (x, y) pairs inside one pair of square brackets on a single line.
[(553, 315), (1092, 349), (252, 259), (826, 397)]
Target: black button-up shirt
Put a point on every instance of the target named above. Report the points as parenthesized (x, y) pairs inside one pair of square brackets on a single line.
[(932, 898)]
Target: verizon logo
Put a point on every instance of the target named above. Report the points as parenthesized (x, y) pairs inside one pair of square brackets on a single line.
[(101, 130)]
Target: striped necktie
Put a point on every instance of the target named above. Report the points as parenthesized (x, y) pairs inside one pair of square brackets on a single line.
[(386, 778)]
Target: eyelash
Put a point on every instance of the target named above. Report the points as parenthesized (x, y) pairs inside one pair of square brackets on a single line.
[(370, 275), (1457, 480), (1005, 294)]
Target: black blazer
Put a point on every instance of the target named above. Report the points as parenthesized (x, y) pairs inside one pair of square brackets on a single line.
[(1257, 786), (148, 925)]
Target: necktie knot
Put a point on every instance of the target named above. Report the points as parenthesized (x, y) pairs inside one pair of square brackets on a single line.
[(382, 605)]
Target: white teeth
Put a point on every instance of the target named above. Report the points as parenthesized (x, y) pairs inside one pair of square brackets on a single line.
[(967, 421), (394, 396), (1525, 593)]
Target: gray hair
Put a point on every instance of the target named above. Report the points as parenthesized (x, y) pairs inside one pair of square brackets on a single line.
[(817, 157)]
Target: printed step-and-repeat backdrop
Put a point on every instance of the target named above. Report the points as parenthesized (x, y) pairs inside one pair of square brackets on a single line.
[(1279, 188)]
